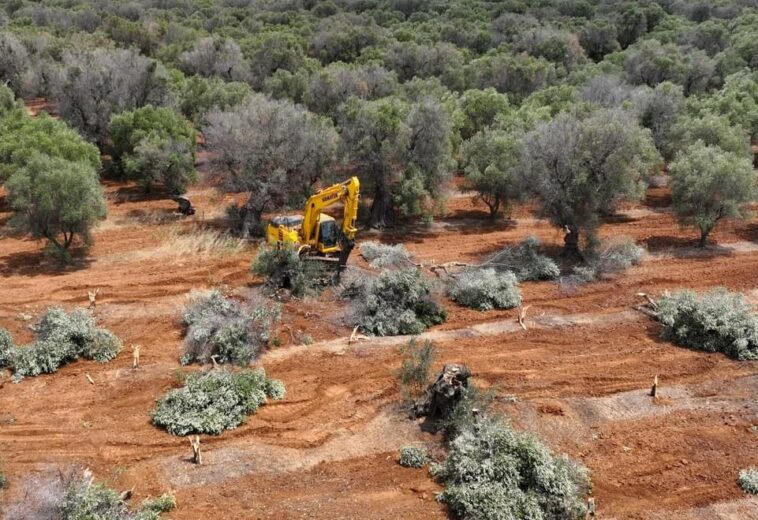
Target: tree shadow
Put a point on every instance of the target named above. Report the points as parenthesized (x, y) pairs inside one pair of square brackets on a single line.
[(37, 263), (658, 198), (748, 232), (133, 193), (680, 247)]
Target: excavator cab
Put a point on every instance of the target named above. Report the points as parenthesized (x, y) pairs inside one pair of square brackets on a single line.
[(316, 234)]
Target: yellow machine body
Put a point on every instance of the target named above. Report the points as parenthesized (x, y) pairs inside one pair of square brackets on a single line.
[(315, 233)]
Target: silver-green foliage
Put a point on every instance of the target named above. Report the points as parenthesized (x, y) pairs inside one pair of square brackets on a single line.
[(486, 289), (413, 457), (61, 339), (397, 302), (73, 495), (6, 347), (282, 267), (525, 261), (709, 185), (748, 480), (495, 473), (610, 256), (385, 255), (232, 331), (215, 401), (718, 321)]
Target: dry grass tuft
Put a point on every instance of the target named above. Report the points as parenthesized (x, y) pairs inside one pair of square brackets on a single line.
[(178, 241)]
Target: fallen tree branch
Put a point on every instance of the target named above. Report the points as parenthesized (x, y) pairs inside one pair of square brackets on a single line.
[(354, 336), (91, 381), (652, 303)]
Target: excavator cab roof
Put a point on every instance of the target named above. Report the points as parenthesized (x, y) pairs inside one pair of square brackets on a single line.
[(290, 221)]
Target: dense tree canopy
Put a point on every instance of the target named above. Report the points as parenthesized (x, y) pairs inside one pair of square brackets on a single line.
[(154, 145), (413, 89), (273, 150)]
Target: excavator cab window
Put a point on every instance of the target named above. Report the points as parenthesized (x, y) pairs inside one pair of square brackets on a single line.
[(329, 233)]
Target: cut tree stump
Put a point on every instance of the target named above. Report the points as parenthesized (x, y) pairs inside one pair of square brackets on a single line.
[(135, 356), (92, 296), (444, 393), (197, 456), (522, 316)]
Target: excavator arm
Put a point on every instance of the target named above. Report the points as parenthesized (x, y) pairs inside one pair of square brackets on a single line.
[(349, 192)]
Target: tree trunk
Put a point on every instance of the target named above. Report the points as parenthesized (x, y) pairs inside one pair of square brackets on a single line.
[(250, 220), (381, 207), (494, 207), (444, 393), (571, 243), (703, 238)]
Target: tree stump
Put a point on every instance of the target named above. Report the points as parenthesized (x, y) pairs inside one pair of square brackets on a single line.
[(92, 296), (135, 356), (444, 393), (197, 456)]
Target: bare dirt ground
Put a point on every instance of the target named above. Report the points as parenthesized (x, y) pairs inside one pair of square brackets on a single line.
[(577, 378)]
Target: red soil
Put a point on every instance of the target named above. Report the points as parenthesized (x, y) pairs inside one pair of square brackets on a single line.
[(329, 449)]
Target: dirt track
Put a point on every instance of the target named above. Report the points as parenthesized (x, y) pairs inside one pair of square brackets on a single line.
[(579, 375)]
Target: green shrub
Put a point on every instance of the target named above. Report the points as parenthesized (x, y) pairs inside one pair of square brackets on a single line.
[(414, 370), (214, 401), (283, 268), (232, 331), (413, 457), (606, 258), (398, 302), (383, 255), (718, 321), (748, 480), (616, 255), (161, 504), (3, 480), (525, 261), (6, 347), (61, 339), (474, 403), (485, 289), (74, 495), (495, 473)]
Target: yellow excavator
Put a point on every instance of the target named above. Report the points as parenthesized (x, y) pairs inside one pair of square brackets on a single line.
[(315, 234)]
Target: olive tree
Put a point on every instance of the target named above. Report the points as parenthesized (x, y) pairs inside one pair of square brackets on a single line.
[(14, 61), (598, 39), (273, 150), (708, 185), (197, 96), (95, 84), (23, 138), (737, 100), (401, 152), (218, 57), (712, 130), (477, 109), (331, 86), (152, 144), (579, 169), (515, 75), (56, 199), (492, 162), (658, 109)]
